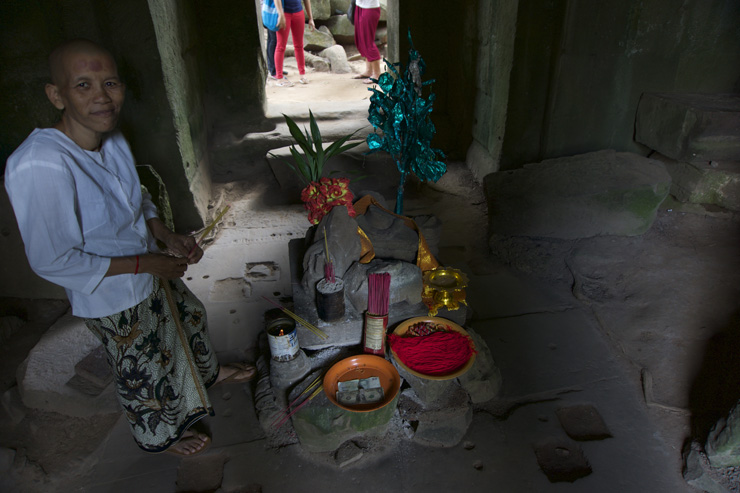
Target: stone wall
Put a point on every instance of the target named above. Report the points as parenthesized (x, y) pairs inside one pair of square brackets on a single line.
[(580, 68), (448, 44)]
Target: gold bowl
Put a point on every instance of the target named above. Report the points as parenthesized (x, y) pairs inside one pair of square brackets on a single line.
[(444, 287)]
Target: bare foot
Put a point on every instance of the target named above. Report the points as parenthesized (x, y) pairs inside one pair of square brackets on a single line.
[(191, 443)]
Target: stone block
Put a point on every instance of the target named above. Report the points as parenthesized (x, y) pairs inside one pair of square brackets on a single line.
[(583, 422), (320, 9), (317, 63), (284, 374), (442, 424), (9, 325), (427, 391), (318, 40), (391, 238), (598, 193), (348, 330), (7, 457), (341, 28), (716, 183), (339, 7), (202, 473), (348, 453), (723, 444), (85, 386), (337, 59), (561, 460), (95, 368), (12, 405), (690, 127), (483, 380), (43, 376), (343, 244), (699, 473), (406, 282)]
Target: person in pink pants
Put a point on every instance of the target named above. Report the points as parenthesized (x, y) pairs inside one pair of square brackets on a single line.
[(367, 15), (292, 18)]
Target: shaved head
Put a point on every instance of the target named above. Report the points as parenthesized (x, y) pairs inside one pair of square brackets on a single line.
[(59, 57), (85, 86)]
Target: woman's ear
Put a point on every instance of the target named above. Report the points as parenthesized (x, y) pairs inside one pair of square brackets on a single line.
[(52, 92)]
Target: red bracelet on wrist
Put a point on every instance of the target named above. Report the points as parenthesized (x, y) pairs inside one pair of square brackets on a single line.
[(136, 270)]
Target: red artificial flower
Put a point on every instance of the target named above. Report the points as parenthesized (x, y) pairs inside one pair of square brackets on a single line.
[(319, 198)]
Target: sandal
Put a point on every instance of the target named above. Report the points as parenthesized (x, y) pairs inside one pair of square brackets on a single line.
[(243, 373), (368, 81), (361, 76), (181, 446)]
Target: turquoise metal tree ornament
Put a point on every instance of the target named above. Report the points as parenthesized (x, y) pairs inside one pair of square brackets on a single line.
[(400, 112)]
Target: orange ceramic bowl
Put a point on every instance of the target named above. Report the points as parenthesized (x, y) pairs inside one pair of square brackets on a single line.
[(404, 326), (363, 366)]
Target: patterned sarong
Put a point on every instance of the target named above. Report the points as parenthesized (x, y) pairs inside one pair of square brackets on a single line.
[(161, 374)]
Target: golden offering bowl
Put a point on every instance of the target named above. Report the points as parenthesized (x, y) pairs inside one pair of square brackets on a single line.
[(444, 287), (443, 297), (445, 278)]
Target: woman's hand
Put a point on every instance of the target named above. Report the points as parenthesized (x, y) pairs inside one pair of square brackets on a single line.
[(164, 266), (281, 21), (184, 246), (311, 24)]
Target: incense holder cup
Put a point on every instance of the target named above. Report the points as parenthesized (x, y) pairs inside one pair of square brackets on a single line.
[(330, 300)]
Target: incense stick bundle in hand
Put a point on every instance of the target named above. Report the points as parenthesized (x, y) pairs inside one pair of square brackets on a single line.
[(378, 293)]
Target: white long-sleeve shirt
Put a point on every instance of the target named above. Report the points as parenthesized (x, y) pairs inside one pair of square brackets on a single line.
[(76, 209)]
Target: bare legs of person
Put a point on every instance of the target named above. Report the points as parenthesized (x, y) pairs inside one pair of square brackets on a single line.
[(193, 442), (374, 67), (372, 71)]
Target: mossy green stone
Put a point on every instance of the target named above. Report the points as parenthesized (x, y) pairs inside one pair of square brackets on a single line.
[(322, 426)]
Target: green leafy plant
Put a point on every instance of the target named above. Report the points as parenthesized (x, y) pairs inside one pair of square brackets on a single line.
[(309, 165)]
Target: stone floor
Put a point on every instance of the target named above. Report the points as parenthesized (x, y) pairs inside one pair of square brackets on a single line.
[(639, 358)]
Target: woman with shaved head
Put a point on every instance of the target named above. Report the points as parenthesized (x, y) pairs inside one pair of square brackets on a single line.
[(87, 226)]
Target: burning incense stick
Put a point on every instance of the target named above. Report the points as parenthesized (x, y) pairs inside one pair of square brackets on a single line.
[(328, 266), (298, 319), (326, 248), (209, 228), (299, 406), (286, 411)]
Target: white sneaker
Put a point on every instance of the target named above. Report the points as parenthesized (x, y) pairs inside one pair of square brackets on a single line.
[(284, 82)]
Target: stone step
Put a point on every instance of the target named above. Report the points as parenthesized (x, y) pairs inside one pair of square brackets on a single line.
[(690, 127), (714, 182), (598, 193)]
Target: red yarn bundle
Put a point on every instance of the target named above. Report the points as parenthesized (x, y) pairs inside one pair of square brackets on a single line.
[(438, 353)]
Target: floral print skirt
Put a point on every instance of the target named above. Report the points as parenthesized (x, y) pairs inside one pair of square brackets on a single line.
[(161, 368)]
